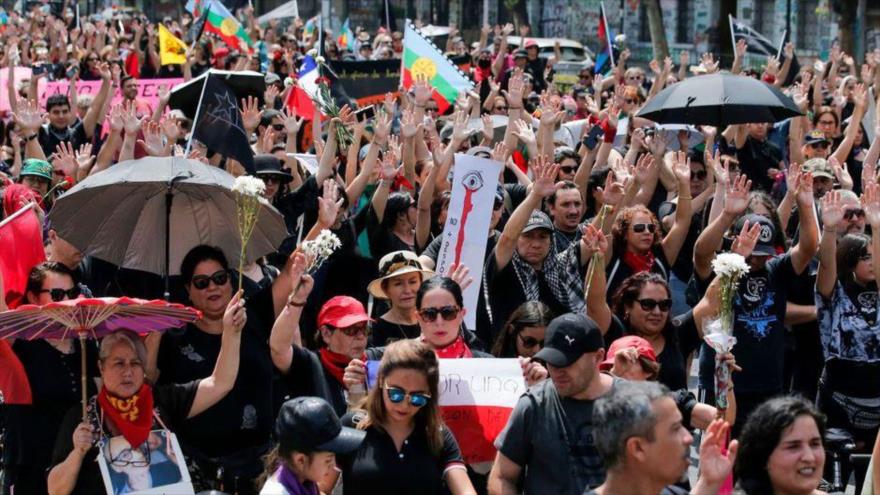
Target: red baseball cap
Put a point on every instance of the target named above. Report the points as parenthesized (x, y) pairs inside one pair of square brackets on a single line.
[(342, 312), (531, 43), (642, 346)]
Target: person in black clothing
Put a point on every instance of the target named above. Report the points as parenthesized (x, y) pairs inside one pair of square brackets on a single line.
[(757, 155), (566, 208), (343, 325), (400, 276), (536, 65), (407, 448), (523, 334), (645, 445)]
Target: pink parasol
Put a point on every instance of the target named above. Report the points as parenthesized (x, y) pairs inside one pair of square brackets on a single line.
[(93, 318)]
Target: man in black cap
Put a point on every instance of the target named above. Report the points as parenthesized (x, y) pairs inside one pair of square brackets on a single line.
[(309, 434), (550, 432)]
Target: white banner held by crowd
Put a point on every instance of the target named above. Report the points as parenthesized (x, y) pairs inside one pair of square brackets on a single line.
[(467, 223)]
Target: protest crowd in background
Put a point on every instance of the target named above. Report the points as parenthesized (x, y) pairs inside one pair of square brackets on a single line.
[(461, 271)]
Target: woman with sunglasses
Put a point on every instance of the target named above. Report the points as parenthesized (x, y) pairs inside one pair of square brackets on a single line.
[(523, 334), (400, 276), (846, 305), (89, 67), (407, 449), (245, 415), (53, 371)]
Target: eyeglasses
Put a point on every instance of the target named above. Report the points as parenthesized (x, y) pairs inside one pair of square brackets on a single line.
[(278, 127), (355, 331), (699, 174), (630, 101), (219, 278), (853, 212), (821, 145), (650, 304), (268, 179), (567, 169), (504, 108), (448, 313), (60, 294), (530, 342), (126, 458), (397, 395), (638, 228)]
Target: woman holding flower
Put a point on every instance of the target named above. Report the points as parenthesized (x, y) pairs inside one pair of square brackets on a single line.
[(846, 303)]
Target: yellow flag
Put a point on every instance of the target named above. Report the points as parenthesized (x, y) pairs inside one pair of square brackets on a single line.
[(171, 49)]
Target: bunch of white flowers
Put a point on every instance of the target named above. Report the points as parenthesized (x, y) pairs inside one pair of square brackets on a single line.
[(248, 199), (730, 265), (320, 249), (249, 185), (718, 333)]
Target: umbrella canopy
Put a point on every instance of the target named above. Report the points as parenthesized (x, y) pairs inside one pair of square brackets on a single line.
[(93, 318), (185, 97), (119, 215), (719, 99)]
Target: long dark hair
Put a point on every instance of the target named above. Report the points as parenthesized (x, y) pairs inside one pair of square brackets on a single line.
[(760, 436), (850, 248), (444, 283), (528, 314), (629, 290), (396, 205)]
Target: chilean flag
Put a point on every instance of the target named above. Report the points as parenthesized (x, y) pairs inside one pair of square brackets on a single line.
[(300, 99)]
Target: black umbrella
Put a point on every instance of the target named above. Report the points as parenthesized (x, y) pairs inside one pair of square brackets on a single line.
[(719, 99), (185, 97)]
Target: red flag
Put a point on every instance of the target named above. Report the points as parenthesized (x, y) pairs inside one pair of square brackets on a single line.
[(22, 235), (14, 386)]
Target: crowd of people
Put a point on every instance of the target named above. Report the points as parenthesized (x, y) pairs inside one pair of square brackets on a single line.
[(598, 276)]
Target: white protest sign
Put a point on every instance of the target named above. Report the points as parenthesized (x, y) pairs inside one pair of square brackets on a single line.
[(476, 399), (467, 223)]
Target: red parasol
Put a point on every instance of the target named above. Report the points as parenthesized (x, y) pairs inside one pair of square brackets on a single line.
[(93, 318)]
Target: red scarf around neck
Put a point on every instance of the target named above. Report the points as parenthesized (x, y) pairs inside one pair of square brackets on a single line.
[(457, 349), (133, 416), (639, 262), (335, 363)]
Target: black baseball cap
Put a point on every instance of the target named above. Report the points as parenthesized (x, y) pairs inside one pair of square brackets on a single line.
[(309, 424), (764, 246), (568, 337), (538, 220)]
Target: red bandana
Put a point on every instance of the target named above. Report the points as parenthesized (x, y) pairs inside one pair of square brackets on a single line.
[(335, 363), (639, 262), (133, 416), (457, 349)]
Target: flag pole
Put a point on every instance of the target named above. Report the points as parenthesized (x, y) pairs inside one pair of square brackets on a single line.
[(196, 118), (732, 34), (608, 35), (387, 17), (21, 211)]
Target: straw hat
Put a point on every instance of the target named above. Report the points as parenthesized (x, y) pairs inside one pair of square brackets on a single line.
[(395, 264)]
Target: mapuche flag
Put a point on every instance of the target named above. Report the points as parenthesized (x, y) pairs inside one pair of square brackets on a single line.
[(605, 56), (421, 59), (222, 23), (218, 123)]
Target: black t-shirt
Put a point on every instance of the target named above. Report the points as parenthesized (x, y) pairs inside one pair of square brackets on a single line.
[(56, 386), (50, 137), (171, 403), (382, 239), (307, 378), (506, 292), (378, 467), (759, 314), (681, 340), (383, 332), (864, 298), (616, 271), (755, 157), (245, 414)]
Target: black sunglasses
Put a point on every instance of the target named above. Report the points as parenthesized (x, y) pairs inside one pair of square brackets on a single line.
[(278, 127), (530, 342), (219, 278), (650, 304), (59, 294), (448, 313), (354, 331), (699, 174), (567, 169), (853, 212), (821, 145), (638, 228)]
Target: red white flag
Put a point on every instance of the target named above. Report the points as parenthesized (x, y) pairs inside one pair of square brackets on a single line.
[(476, 399), (21, 242)]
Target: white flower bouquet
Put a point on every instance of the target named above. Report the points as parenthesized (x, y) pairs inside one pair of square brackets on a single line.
[(248, 199), (718, 333), (320, 249)]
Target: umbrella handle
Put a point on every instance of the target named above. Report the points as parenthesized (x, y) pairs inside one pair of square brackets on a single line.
[(83, 378)]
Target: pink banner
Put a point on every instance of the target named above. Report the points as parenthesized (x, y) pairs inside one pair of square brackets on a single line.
[(21, 74), (148, 89)]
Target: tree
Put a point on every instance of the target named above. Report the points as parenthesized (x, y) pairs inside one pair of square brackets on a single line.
[(658, 35)]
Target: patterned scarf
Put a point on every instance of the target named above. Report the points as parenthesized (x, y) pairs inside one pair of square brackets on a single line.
[(133, 417), (561, 272), (456, 350), (335, 363), (639, 262)]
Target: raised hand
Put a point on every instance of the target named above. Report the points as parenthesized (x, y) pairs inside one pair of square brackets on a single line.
[(684, 58), (250, 113), (269, 96), (594, 240), (832, 209), (171, 130), (871, 205), (408, 127), (65, 159), (715, 465), (524, 133), (460, 273), (745, 242), (329, 204), (613, 192), (499, 152), (805, 190), (515, 88), (657, 143), (737, 199), (643, 169), (422, 91), (153, 142), (29, 118), (869, 171), (460, 131), (545, 172), (303, 283), (389, 169), (488, 128), (84, 157), (235, 316), (681, 167), (117, 123), (381, 128), (130, 121)]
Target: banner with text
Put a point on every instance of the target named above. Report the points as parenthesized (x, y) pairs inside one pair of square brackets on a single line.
[(467, 223), (476, 399), (148, 89)]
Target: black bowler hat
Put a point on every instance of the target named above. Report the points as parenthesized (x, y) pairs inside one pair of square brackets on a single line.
[(271, 165), (569, 337), (309, 424)]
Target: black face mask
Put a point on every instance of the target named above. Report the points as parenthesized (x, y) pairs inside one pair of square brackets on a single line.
[(484, 64)]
